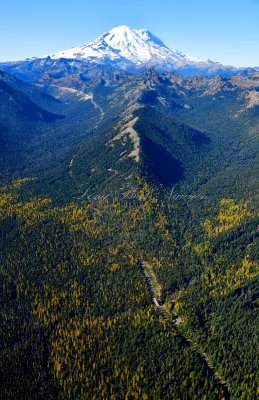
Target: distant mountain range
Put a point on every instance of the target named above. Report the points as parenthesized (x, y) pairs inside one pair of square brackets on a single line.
[(132, 50)]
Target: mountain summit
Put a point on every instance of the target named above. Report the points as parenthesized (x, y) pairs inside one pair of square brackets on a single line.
[(131, 50), (136, 49), (136, 45)]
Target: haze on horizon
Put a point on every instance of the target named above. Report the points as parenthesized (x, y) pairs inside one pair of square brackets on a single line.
[(227, 32)]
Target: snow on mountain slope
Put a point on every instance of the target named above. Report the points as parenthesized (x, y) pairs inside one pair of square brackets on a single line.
[(123, 48), (127, 47)]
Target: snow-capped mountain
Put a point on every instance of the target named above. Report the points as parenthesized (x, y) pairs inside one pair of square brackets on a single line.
[(134, 49), (123, 48)]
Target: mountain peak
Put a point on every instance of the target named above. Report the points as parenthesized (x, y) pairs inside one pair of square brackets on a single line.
[(135, 50), (122, 43), (127, 33)]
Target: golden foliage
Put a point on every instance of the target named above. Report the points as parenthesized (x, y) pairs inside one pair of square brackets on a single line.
[(202, 248), (230, 216), (234, 278), (28, 212)]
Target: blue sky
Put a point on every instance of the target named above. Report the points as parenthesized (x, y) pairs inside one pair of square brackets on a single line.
[(222, 30)]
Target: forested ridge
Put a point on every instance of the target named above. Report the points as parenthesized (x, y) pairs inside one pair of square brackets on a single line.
[(101, 175)]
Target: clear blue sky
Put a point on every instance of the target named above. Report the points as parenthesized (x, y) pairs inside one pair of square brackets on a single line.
[(222, 30)]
